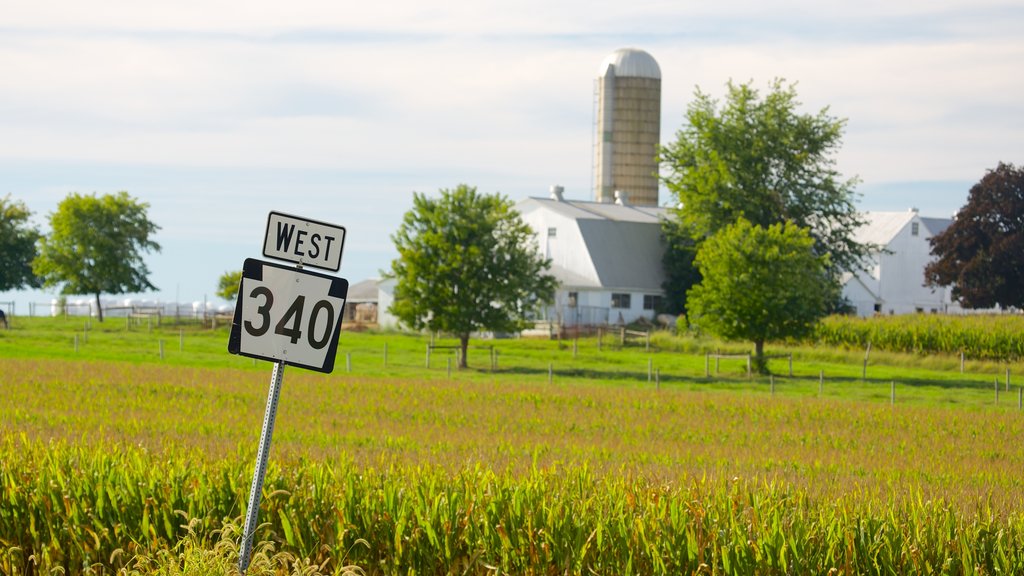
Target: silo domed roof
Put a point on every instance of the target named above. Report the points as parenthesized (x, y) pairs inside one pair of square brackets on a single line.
[(631, 62)]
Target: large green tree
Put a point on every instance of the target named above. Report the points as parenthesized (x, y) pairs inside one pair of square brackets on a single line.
[(467, 262), (981, 254), (760, 284), (759, 158), (96, 246), (17, 246)]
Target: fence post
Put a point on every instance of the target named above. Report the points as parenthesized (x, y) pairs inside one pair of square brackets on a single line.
[(449, 363), (864, 371), (749, 373), (892, 394), (76, 343), (961, 361), (622, 336), (1007, 379), (551, 372), (600, 332), (181, 340), (161, 349), (1020, 398), (821, 381), (575, 345), (707, 365), (650, 366), (790, 364), (771, 382), (647, 347), (348, 361), (428, 357), (385, 354), (495, 359), (996, 382)]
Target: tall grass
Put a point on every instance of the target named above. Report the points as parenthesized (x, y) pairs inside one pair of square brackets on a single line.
[(984, 337), (67, 509)]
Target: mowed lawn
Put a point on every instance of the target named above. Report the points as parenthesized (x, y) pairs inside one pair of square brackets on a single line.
[(802, 466)]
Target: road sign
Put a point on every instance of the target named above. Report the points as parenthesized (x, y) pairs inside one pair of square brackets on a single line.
[(303, 241), (288, 315)]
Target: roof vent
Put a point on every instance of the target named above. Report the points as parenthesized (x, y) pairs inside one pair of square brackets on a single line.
[(556, 193), (621, 198)]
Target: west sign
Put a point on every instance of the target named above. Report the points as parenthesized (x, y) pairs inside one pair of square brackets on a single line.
[(303, 241)]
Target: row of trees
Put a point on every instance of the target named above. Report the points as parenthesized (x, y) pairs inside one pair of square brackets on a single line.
[(764, 224), (96, 246)]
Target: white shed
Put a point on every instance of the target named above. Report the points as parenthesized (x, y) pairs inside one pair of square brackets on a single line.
[(606, 257), (893, 282)]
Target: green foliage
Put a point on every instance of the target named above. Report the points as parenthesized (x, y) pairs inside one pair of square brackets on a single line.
[(982, 337), (66, 510), (95, 246), (760, 284), (759, 159), (17, 246), (227, 285), (467, 262), (981, 254), (677, 262)]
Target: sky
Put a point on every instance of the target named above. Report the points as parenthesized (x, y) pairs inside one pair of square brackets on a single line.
[(215, 112)]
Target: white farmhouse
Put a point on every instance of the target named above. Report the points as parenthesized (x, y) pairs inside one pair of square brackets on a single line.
[(893, 282), (606, 258)]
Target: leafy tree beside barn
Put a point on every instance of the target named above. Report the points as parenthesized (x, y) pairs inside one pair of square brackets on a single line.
[(467, 262), (981, 254)]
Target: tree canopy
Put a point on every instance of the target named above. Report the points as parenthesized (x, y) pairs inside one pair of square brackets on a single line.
[(17, 246), (760, 284), (981, 254), (467, 262), (96, 246), (760, 159), (228, 283)]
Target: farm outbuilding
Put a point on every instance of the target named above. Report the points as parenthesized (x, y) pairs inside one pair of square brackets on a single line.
[(893, 279), (606, 257)]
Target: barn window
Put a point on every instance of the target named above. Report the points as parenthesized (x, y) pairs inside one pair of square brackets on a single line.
[(915, 228), (652, 301), (552, 232), (620, 300), (573, 298)]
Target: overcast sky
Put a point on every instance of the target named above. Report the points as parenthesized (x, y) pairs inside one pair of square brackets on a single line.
[(217, 112)]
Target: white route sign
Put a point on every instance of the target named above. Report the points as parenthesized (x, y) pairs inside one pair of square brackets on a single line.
[(288, 315), (304, 241)]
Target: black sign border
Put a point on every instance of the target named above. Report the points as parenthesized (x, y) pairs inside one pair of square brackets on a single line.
[(253, 269)]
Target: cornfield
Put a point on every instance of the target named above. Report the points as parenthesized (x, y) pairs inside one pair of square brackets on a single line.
[(119, 468), (986, 337), (97, 510)]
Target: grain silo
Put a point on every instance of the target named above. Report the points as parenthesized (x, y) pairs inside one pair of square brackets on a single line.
[(627, 128)]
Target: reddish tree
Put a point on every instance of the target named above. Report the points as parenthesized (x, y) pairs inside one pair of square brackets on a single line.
[(981, 255)]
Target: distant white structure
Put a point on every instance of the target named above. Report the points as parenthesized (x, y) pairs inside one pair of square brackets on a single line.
[(627, 127), (894, 280), (606, 258)]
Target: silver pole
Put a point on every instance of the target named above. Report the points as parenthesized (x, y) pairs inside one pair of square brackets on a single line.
[(256, 492)]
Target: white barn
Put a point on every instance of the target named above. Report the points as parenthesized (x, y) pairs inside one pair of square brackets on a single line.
[(606, 258), (893, 282)]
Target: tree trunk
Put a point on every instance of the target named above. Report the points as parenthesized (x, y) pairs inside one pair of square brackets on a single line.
[(760, 364), (464, 347), (99, 308)]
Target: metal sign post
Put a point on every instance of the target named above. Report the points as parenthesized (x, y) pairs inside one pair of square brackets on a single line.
[(256, 492), (289, 316)]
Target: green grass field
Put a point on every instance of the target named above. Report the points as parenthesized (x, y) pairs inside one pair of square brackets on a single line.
[(564, 458)]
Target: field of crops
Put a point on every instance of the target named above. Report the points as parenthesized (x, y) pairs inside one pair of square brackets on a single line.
[(143, 467), (985, 337)]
